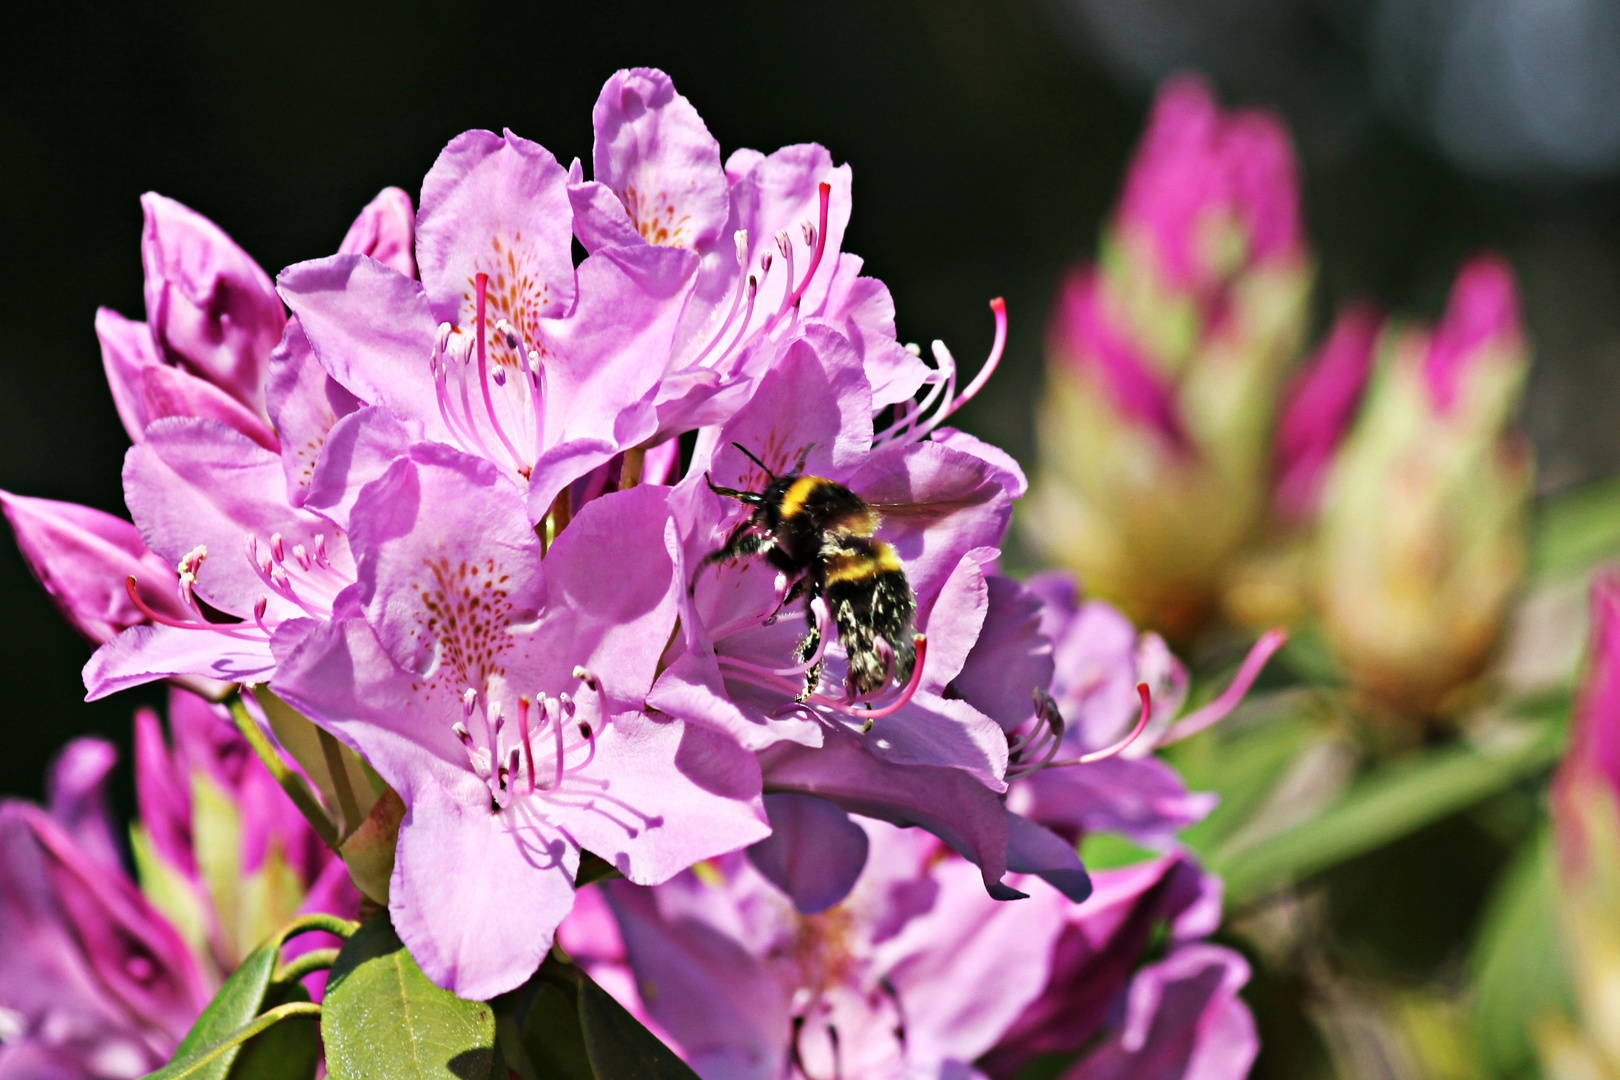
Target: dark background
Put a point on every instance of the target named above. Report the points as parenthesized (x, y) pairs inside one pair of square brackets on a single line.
[(986, 138)]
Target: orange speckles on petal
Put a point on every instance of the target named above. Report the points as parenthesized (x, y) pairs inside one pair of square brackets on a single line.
[(655, 218), (465, 611), (517, 292)]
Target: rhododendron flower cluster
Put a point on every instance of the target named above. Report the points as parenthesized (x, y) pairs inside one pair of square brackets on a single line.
[(445, 496)]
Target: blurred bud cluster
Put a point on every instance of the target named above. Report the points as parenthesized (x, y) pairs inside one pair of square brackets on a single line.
[(1200, 462)]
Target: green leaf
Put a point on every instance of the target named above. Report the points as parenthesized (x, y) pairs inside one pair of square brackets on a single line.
[(237, 1003), (384, 1020), (1517, 968), (620, 1048), (1576, 529), (552, 1036), (1419, 788), (288, 1051)]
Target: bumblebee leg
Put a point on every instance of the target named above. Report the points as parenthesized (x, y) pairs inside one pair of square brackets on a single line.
[(743, 541), (810, 643)]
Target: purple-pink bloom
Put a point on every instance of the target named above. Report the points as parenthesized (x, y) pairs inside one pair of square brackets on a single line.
[(501, 695), (1318, 407), (385, 230), (917, 972), (1200, 176), (94, 982), (1482, 313)]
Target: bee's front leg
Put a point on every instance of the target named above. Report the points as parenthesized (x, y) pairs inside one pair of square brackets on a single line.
[(810, 644)]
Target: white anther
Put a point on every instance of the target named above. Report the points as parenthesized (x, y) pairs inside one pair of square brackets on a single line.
[(260, 606), (913, 348), (441, 337), (764, 264), (741, 238), (784, 243), (809, 233), (499, 377), (276, 549)]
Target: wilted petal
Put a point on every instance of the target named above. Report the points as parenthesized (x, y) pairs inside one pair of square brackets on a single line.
[(82, 557), (385, 230), (1183, 1018), (724, 1006), (947, 802), (210, 307)]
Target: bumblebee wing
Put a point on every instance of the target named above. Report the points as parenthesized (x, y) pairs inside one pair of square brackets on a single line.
[(934, 510)]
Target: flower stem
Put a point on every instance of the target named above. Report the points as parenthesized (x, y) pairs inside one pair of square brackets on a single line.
[(296, 787), (314, 960), (348, 805)]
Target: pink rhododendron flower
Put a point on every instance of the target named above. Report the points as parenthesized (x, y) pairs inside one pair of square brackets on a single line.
[(918, 973), (500, 693)]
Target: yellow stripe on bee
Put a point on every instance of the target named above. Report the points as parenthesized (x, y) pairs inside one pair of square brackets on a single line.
[(856, 565), (793, 501)]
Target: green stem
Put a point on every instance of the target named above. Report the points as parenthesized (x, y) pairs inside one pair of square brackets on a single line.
[(319, 920), (296, 787), (259, 1024), (314, 960), (348, 805)]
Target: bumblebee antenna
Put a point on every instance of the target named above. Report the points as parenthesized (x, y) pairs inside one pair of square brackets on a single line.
[(804, 456), (755, 460)]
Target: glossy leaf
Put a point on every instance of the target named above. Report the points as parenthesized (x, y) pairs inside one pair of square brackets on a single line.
[(240, 1000), (384, 1020), (290, 1050)]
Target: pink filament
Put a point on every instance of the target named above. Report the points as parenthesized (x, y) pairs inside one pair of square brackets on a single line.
[(1269, 643)]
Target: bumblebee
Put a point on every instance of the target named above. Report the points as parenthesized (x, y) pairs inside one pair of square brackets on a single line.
[(823, 537)]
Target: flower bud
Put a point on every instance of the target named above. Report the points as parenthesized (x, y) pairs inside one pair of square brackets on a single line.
[(1164, 363), (219, 847), (1586, 828), (1421, 538)]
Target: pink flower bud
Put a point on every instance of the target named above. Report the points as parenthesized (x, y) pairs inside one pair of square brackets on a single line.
[(1202, 177), (1319, 404), (1081, 335), (385, 230), (212, 310), (83, 557), (1483, 312)]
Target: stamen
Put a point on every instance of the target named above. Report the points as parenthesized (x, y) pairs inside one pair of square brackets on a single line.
[(523, 730), (1247, 672), (482, 281), (236, 630), (867, 714), (1110, 751), (741, 239), (277, 552), (824, 191)]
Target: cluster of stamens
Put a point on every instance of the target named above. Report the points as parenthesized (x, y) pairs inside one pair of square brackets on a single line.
[(561, 736), (1035, 750), (303, 576), (913, 420), (731, 340), (492, 413)]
